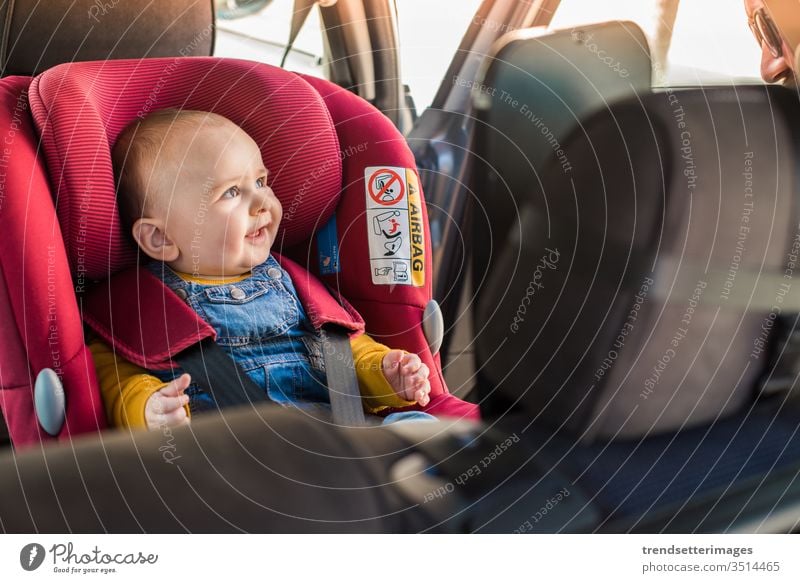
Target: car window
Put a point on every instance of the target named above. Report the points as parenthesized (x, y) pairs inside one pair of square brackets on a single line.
[(430, 33), (699, 52), (723, 52), (262, 36)]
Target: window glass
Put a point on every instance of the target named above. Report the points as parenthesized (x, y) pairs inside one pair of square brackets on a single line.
[(710, 40), (430, 33), (262, 37), (724, 51)]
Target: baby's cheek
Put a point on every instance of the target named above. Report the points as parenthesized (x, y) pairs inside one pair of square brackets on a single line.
[(230, 249)]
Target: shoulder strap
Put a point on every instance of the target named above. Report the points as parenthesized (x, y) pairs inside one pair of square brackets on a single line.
[(299, 16), (341, 374)]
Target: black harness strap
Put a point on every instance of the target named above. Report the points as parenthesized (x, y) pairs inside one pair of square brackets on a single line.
[(5, 436), (219, 375)]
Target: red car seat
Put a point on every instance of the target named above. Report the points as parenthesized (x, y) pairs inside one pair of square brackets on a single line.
[(327, 150)]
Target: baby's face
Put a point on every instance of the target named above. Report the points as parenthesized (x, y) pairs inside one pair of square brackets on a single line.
[(220, 212)]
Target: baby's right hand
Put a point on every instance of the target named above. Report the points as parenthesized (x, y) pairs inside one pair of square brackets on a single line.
[(165, 406)]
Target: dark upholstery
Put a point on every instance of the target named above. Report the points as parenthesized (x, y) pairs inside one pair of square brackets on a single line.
[(37, 35)]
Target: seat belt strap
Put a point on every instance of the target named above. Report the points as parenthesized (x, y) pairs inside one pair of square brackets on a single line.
[(343, 388), (300, 13)]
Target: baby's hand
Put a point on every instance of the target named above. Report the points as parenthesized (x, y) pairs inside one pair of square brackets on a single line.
[(165, 406), (408, 376)]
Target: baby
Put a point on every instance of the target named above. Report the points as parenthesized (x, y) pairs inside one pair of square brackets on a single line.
[(193, 194)]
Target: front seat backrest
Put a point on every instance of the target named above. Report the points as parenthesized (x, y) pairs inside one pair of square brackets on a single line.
[(534, 90), (640, 296), (38, 35)]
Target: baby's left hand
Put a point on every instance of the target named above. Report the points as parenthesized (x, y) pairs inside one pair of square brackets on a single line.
[(408, 376)]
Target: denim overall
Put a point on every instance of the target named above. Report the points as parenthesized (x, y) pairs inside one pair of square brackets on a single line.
[(262, 325)]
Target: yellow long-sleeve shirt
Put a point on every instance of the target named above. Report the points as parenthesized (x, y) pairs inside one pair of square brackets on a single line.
[(126, 387)]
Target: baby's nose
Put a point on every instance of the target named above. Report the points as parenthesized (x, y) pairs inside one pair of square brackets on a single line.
[(267, 204)]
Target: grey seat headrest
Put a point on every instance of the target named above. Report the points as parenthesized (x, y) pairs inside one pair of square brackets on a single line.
[(37, 35)]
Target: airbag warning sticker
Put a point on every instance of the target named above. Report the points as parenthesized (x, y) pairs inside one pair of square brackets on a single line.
[(394, 226)]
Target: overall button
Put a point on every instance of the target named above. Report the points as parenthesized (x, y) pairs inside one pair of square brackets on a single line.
[(181, 293), (274, 273), (238, 293)]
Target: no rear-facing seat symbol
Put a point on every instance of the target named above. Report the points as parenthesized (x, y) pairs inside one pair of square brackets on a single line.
[(384, 184), (386, 187), (382, 270)]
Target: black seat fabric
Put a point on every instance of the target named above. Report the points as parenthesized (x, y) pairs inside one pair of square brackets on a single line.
[(632, 301), (534, 90), (38, 35), (278, 471)]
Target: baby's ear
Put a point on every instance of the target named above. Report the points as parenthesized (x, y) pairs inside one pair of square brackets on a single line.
[(153, 240)]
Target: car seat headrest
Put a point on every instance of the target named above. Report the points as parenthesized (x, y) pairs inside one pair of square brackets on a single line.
[(79, 110), (38, 35)]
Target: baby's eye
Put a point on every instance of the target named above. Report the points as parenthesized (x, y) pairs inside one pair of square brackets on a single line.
[(261, 182), (232, 192)]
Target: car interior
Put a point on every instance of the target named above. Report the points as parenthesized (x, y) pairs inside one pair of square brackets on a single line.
[(626, 370)]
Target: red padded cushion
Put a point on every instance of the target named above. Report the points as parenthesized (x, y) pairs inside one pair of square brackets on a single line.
[(80, 108), (41, 322)]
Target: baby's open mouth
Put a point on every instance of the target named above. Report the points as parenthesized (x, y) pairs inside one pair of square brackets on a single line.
[(257, 235)]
